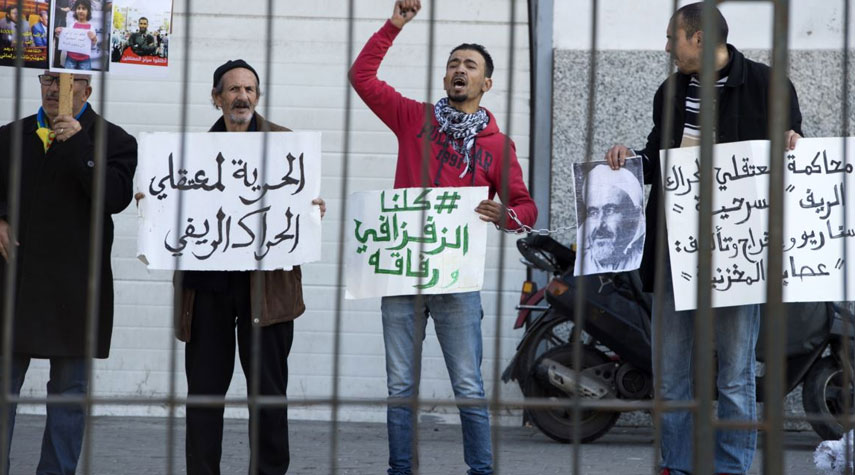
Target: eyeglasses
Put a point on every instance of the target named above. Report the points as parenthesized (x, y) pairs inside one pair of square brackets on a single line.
[(48, 80)]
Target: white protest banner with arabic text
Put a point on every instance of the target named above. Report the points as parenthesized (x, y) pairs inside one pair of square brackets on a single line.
[(415, 240), (227, 205), (73, 40), (816, 177)]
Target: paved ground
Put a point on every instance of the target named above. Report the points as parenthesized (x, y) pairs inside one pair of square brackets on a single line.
[(132, 445)]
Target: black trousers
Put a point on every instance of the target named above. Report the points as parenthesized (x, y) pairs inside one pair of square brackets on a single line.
[(209, 364)]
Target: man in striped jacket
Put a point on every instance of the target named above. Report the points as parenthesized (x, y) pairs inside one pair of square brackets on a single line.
[(743, 114)]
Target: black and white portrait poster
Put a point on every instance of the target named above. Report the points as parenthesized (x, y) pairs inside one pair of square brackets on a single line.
[(817, 222), (610, 226)]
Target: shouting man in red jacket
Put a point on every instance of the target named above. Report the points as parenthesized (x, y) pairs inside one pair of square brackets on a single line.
[(465, 149)]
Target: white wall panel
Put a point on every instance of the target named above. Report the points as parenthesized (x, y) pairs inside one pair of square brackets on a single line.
[(307, 88), (640, 25)]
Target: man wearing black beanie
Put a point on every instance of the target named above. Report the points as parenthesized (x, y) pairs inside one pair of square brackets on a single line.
[(214, 303)]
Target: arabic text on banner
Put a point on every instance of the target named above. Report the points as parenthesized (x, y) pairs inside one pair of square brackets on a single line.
[(415, 240), (224, 206), (817, 222), (75, 41)]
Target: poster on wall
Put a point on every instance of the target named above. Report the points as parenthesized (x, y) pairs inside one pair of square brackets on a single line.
[(79, 39), (34, 19), (140, 37)]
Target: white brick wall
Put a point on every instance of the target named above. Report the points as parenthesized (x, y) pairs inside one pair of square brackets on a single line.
[(307, 92)]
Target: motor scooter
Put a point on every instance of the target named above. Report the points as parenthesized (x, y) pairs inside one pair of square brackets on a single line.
[(616, 351)]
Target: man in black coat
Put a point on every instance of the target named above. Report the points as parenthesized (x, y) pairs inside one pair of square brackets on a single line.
[(52, 243), (743, 114)]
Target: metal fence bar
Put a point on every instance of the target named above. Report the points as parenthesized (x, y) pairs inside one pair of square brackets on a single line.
[(14, 219), (659, 405), (846, 356), (178, 279), (496, 402), (540, 27), (94, 285), (620, 405), (775, 331), (420, 303), (265, 401), (580, 307), (339, 302), (704, 435), (257, 277), (96, 257)]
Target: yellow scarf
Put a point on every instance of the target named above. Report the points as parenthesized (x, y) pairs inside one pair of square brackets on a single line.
[(47, 136), (44, 133)]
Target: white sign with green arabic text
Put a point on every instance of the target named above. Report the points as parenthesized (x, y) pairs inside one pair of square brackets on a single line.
[(415, 240)]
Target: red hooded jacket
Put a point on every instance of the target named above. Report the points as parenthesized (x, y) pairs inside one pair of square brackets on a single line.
[(406, 118)]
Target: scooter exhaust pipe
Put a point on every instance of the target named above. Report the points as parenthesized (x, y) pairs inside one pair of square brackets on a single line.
[(566, 380)]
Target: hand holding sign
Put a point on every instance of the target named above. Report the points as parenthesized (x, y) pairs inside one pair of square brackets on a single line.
[(490, 211), (78, 41), (65, 126)]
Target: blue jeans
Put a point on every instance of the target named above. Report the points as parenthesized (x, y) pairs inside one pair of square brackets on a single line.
[(736, 330), (457, 320), (83, 64), (63, 436)]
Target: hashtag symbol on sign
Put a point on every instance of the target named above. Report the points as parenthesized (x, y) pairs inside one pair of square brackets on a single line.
[(447, 201)]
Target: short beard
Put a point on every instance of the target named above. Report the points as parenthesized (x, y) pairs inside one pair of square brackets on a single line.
[(458, 98), (238, 119), (603, 246), (604, 253)]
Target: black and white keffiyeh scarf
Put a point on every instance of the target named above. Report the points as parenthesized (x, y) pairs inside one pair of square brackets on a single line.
[(461, 128)]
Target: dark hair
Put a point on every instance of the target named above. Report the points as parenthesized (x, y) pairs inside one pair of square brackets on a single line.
[(142, 18), (488, 60), (86, 4), (9, 9), (691, 19)]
